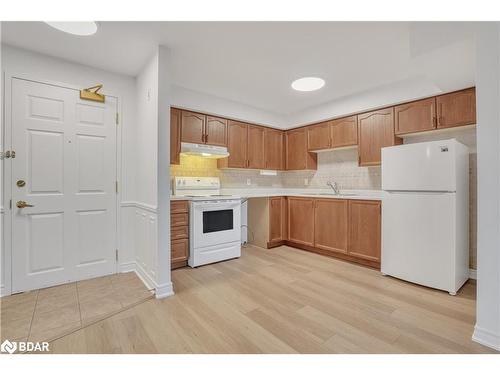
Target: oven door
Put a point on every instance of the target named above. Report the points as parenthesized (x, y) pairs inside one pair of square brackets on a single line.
[(215, 222)]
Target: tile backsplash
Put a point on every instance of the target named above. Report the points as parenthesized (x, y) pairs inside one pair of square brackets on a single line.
[(339, 165)]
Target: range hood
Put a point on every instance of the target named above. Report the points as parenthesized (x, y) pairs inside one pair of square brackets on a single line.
[(206, 151)]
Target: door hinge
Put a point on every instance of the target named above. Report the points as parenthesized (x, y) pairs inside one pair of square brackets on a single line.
[(10, 204), (116, 255), (8, 154), (116, 186), (116, 119)]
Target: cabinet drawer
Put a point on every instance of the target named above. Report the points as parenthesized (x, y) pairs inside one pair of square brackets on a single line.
[(177, 220), (178, 233), (179, 206), (179, 250)]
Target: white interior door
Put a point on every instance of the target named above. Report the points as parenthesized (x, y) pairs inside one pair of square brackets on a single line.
[(66, 155)]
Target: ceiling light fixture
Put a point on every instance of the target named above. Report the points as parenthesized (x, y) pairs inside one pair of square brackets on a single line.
[(75, 28), (308, 84)]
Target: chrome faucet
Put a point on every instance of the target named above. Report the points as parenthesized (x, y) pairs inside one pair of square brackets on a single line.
[(334, 186)]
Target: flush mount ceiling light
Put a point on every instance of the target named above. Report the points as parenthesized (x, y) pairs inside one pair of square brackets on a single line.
[(308, 84), (75, 28)]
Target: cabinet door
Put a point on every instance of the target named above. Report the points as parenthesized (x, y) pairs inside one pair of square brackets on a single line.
[(297, 156), (318, 137), (364, 229), (330, 224), (277, 219), (344, 131), (375, 130), (175, 135), (179, 250), (415, 116), (255, 148), (216, 131), (237, 134), (301, 220), (273, 149), (457, 109), (192, 127)]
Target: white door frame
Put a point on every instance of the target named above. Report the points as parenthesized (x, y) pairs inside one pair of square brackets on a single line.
[(7, 167)]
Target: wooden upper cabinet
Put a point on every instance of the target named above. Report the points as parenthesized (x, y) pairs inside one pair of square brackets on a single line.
[(297, 156), (216, 131), (192, 127), (277, 219), (415, 116), (319, 137), (301, 220), (456, 109), (330, 224), (364, 229), (274, 149), (237, 134), (255, 147), (175, 135), (375, 130), (344, 131)]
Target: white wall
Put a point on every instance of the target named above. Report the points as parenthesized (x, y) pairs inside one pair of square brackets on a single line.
[(151, 210), (487, 329), (43, 67), (194, 100)]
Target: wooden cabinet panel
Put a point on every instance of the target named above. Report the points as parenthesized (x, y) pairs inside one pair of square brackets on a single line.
[(319, 137), (330, 224), (177, 233), (277, 219), (237, 133), (301, 220), (273, 149), (177, 220), (344, 131), (255, 147), (192, 127), (179, 207), (179, 251), (415, 116), (297, 156), (175, 135), (216, 131), (456, 109), (364, 229), (375, 130)]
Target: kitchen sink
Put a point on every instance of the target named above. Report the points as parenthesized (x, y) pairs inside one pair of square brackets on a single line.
[(332, 194)]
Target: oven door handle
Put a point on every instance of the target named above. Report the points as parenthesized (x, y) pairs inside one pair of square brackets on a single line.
[(222, 206)]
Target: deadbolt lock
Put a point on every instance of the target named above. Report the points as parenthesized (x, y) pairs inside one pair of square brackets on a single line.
[(20, 183)]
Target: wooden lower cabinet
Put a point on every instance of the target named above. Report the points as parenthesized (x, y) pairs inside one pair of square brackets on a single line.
[(277, 221), (179, 233), (364, 230), (330, 224), (345, 229), (301, 220)]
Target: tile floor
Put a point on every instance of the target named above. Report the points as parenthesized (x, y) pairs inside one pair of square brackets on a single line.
[(42, 315)]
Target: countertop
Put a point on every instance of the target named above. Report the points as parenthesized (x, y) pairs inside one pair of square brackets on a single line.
[(278, 192)]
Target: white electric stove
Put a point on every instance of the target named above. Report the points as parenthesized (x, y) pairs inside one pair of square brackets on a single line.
[(214, 220)]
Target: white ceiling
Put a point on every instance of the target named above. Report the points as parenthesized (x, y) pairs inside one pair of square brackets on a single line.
[(255, 62)]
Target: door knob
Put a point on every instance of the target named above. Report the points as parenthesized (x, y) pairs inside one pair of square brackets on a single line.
[(23, 204)]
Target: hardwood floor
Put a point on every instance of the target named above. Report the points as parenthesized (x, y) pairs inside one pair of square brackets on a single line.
[(285, 300)]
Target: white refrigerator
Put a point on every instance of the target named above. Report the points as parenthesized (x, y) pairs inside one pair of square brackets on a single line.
[(425, 213)]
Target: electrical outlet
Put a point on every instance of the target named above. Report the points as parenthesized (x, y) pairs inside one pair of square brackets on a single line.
[(306, 181), (249, 182)]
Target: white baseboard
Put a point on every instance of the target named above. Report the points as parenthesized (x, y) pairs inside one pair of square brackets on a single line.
[(142, 274), (472, 274), (165, 290), (126, 267), (486, 338)]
